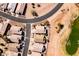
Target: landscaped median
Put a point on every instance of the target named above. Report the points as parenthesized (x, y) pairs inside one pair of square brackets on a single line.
[(72, 43)]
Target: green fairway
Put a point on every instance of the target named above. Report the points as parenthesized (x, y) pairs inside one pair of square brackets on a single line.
[(72, 43)]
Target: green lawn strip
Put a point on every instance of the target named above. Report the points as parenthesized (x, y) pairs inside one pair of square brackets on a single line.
[(72, 43)]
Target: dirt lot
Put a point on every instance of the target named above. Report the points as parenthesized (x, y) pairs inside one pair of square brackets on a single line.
[(57, 41)]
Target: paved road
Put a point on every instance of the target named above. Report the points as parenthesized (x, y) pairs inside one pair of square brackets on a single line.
[(55, 9), (28, 32)]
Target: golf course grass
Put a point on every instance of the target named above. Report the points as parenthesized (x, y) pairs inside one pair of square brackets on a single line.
[(72, 43)]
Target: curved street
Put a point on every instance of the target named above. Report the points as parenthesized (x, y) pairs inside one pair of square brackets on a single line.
[(50, 13)]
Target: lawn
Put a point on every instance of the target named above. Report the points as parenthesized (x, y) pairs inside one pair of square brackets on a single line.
[(72, 43)]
